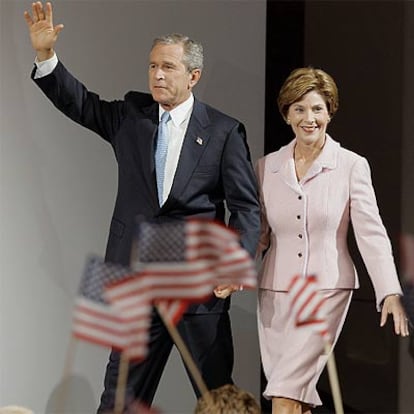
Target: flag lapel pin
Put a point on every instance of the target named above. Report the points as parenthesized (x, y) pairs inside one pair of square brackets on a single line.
[(199, 141)]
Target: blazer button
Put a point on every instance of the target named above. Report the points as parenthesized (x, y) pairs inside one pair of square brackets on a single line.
[(300, 198), (299, 254), (298, 217), (300, 236)]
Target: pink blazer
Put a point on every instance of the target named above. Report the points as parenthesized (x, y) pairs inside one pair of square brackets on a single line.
[(305, 224)]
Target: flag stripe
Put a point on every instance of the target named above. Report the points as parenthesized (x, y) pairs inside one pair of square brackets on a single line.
[(307, 305)]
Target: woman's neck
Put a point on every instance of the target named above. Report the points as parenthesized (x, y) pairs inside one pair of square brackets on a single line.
[(307, 153), (304, 156)]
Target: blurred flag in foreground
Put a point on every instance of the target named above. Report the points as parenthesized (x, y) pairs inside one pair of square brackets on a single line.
[(96, 321), (182, 262), (195, 240), (307, 305), (174, 264)]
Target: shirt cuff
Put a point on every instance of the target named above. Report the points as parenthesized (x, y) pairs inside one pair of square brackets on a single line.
[(45, 67)]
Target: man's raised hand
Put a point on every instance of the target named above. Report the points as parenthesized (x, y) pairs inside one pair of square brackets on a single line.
[(42, 32)]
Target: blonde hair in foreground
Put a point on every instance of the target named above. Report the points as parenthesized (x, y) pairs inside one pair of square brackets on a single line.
[(14, 409), (228, 399)]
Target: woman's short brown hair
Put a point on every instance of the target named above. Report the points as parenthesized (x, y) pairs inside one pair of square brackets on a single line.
[(304, 80)]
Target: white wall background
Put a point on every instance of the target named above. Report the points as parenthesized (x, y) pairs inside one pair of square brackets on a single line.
[(58, 181)]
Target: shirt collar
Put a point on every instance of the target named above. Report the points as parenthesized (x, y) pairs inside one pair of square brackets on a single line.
[(326, 159), (180, 113)]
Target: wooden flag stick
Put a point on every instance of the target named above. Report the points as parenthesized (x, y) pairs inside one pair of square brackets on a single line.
[(185, 354), (63, 391), (333, 380), (121, 384)]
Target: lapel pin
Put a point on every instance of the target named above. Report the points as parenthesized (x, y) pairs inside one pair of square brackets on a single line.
[(199, 141)]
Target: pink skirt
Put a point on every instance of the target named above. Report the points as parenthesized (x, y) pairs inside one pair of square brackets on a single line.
[(293, 358)]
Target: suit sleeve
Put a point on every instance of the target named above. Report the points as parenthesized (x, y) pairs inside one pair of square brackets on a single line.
[(370, 233), (240, 188), (86, 108)]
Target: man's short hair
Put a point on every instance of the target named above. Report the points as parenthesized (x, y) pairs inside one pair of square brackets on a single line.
[(193, 50)]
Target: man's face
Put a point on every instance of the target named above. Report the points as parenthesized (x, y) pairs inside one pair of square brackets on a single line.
[(170, 82)]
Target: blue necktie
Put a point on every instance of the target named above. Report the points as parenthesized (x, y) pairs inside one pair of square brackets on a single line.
[(161, 154)]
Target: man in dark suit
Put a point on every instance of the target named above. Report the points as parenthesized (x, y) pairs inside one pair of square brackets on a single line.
[(207, 164)]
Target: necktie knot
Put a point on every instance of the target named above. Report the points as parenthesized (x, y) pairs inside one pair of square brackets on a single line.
[(165, 117), (161, 152)]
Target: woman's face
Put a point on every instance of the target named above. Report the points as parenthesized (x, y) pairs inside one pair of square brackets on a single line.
[(309, 119)]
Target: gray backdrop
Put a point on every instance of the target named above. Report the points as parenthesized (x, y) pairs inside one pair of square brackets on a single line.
[(58, 181)]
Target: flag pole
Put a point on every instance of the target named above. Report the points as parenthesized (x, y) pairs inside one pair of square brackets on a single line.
[(121, 384), (333, 379), (70, 354), (185, 354)]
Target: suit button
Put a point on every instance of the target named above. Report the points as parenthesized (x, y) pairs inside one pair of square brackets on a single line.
[(299, 254), (298, 217), (300, 236), (300, 198)]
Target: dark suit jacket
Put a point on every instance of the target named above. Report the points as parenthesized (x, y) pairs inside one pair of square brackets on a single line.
[(208, 175)]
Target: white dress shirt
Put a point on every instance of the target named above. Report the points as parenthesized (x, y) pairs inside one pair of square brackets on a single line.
[(177, 127)]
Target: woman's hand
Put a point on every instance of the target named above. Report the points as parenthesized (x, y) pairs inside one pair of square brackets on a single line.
[(392, 305)]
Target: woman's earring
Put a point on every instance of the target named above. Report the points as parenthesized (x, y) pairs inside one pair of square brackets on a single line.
[(288, 121)]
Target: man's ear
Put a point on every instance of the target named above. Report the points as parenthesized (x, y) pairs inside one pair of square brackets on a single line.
[(195, 76)]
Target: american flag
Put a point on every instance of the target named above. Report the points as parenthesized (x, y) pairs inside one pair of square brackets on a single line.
[(94, 320), (167, 284), (184, 240), (196, 240), (307, 304), (183, 261)]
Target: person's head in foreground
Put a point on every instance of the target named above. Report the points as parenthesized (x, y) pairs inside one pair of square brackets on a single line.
[(228, 399), (14, 409)]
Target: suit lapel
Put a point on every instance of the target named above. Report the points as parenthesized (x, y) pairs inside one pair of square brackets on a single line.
[(285, 166), (147, 147)]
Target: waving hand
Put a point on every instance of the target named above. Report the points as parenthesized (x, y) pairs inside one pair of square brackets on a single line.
[(42, 32)]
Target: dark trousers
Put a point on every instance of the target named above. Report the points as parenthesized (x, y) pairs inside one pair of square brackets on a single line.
[(209, 341)]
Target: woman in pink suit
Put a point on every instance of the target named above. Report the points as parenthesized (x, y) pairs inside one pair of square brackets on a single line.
[(310, 191)]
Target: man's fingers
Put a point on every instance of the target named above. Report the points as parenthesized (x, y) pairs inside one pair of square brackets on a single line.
[(39, 13), (58, 28), (222, 291), (35, 11), (49, 13), (28, 18)]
